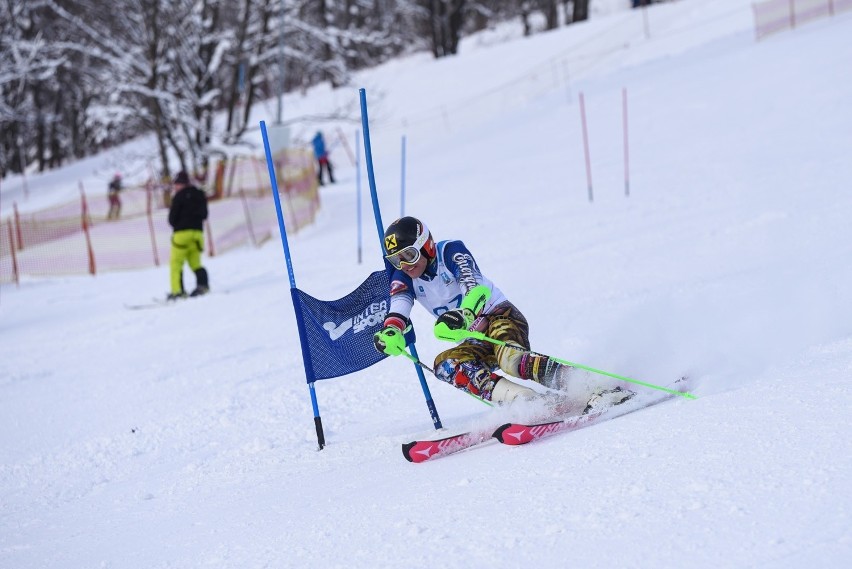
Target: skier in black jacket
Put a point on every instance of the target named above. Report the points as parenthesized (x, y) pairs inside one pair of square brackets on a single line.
[(186, 216)]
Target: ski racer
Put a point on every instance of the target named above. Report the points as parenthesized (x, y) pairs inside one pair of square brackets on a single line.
[(445, 278)]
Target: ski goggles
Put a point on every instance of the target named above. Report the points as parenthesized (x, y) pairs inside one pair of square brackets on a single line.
[(407, 256)]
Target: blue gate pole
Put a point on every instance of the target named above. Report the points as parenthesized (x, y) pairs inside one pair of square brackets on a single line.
[(368, 154), (300, 322), (358, 188), (402, 181)]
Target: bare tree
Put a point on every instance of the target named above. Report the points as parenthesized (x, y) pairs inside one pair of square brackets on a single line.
[(76, 75)]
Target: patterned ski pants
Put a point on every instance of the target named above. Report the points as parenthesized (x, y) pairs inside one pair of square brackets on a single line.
[(469, 365)]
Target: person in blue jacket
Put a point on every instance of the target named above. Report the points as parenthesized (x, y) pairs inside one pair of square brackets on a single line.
[(321, 154)]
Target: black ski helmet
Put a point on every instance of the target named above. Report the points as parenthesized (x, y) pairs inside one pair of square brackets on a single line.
[(407, 232)]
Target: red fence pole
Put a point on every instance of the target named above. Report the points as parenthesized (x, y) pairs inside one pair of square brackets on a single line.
[(586, 147), (14, 256), (248, 218), (210, 248), (18, 227), (233, 171), (346, 145), (148, 190), (626, 146), (86, 230), (257, 175)]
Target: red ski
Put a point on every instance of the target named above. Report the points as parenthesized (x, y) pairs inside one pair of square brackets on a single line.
[(559, 418), (520, 434), (421, 451)]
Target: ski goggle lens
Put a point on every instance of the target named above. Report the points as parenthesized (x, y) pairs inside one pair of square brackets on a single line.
[(408, 256)]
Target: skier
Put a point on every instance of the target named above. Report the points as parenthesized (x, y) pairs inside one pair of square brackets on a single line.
[(446, 280), (322, 158), (187, 213), (113, 189)]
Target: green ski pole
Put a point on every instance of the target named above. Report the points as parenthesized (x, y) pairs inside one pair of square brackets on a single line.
[(442, 332), (430, 370)]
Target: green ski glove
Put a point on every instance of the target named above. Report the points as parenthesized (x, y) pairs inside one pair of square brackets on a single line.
[(389, 340), (476, 299), (452, 325)]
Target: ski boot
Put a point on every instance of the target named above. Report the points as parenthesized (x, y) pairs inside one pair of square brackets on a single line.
[(202, 283), (606, 398), (541, 369)]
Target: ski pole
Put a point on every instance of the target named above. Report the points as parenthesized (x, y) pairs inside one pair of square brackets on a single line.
[(430, 370), (456, 335)]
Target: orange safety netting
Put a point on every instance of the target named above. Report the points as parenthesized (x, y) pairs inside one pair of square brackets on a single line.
[(778, 15), (76, 237)]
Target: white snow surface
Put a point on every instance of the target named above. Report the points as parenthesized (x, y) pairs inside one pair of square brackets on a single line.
[(184, 437)]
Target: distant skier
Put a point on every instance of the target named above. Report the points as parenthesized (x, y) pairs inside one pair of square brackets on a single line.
[(113, 189), (446, 280), (322, 158), (186, 215)]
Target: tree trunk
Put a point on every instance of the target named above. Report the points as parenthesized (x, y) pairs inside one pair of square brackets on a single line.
[(456, 21), (551, 13), (253, 70), (446, 18), (581, 10)]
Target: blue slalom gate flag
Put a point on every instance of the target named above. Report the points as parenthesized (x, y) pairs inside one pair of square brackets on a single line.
[(339, 333)]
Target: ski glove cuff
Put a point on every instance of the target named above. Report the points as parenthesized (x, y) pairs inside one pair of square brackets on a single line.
[(389, 340), (476, 299)]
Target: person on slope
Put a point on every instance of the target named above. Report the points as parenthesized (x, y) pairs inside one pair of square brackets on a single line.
[(445, 278), (186, 216)]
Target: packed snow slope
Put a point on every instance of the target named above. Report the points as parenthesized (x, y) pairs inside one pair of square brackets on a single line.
[(183, 437)]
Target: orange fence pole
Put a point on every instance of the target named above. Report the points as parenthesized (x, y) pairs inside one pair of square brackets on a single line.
[(14, 256), (18, 227), (346, 145), (248, 218), (85, 213), (211, 249), (150, 199), (233, 172)]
